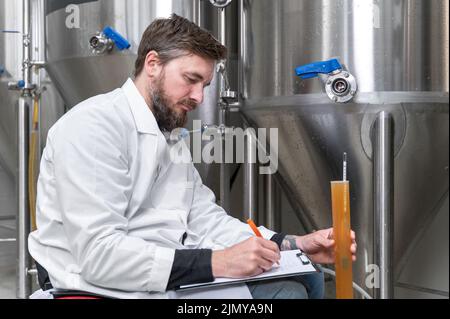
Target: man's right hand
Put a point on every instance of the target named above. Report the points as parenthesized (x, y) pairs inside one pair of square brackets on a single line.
[(248, 258)]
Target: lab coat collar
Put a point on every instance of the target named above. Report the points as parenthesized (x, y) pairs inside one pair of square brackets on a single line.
[(143, 116)]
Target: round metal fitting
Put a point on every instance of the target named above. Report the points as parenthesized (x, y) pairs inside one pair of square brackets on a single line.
[(220, 3), (341, 87), (228, 94), (100, 44)]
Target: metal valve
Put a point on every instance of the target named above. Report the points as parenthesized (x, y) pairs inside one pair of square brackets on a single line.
[(104, 41), (100, 43), (227, 96), (340, 85)]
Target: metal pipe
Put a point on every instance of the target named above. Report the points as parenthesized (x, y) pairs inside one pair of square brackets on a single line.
[(222, 26), (272, 203), (242, 53), (250, 176), (197, 16), (383, 173), (250, 167), (224, 167), (33, 272), (26, 45), (23, 281)]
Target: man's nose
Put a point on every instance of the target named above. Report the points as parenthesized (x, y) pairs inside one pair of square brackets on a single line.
[(197, 93)]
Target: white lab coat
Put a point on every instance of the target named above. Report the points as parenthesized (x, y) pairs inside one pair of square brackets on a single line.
[(111, 206)]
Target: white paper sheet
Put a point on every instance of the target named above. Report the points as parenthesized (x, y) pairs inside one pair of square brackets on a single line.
[(290, 265)]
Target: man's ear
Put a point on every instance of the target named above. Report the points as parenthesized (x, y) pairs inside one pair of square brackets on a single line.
[(152, 64)]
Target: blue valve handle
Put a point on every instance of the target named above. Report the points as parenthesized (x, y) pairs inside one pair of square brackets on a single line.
[(312, 70), (2, 69), (120, 41)]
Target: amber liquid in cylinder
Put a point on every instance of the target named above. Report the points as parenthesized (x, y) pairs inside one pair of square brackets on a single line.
[(340, 200)]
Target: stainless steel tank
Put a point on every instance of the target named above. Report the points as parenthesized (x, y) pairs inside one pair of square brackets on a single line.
[(80, 73), (398, 52), (52, 106), (10, 66), (13, 205)]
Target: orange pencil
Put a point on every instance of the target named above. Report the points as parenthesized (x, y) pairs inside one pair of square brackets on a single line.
[(253, 227), (256, 231)]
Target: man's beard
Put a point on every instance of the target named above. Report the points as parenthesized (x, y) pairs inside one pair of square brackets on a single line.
[(165, 114)]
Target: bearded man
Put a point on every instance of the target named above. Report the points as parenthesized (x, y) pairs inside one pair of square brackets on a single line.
[(117, 218)]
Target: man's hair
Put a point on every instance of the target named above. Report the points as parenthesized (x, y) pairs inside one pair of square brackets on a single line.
[(175, 37)]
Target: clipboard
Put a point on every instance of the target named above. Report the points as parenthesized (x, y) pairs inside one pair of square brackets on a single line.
[(292, 263)]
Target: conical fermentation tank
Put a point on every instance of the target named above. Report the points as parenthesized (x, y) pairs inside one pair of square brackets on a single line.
[(397, 52)]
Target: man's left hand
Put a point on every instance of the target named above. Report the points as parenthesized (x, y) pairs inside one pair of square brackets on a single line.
[(319, 246)]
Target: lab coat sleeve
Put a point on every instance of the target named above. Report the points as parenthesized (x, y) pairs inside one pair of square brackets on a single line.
[(94, 188), (211, 223)]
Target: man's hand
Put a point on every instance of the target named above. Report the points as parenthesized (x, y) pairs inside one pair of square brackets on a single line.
[(248, 258), (319, 245)]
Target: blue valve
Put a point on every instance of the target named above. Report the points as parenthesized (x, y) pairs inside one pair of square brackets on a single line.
[(21, 84), (120, 41), (312, 70), (2, 69)]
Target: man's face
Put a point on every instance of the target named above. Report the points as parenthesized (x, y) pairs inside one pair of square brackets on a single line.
[(179, 89)]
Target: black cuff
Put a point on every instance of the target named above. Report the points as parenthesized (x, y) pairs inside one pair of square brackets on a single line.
[(190, 266), (278, 238)]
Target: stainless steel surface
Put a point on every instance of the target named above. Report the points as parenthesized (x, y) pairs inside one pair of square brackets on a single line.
[(250, 177), (341, 87), (101, 44), (224, 85), (7, 217), (398, 52), (227, 96), (387, 45), (222, 25), (23, 288), (13, 182), (7, 240), (10, 59), (383, 235), (224, 166), (271, 203), (26, 45)]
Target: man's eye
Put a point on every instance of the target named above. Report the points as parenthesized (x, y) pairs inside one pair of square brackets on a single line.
[(190, 80)]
